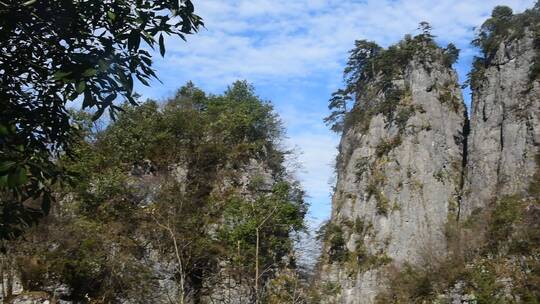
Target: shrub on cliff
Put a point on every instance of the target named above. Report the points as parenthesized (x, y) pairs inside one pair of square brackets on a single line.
[(157, 186)]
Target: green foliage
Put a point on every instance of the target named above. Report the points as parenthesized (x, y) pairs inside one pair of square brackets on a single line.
[(534, 186), (499, 241), (330, 288), (54, 52), (387, 107), (85, 263), (409, 285), (25, 181), (362, 166), (360, 260), (451, 55), (276, 216), (334, 240), (503, 26), (360, 59), (377, 179), (357, 260), (370, 74), (486, 283), (494, 30), (382, 203), (125, 197), (90, 258), (287, 287), (403, 116), (535, 68), (383, 206), (387, 145), (360, 227), (134, 135), (338, 105), (502, 220), (447, 96)]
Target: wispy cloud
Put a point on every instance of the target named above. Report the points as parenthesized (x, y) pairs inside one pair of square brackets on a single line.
[(263, 39), (294, 52)]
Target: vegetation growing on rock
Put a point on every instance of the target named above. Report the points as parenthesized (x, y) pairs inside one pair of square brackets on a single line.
[(503, 27), (177, 192), (492, 258), (372, 71)]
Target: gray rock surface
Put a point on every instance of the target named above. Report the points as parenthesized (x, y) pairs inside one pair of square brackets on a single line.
[(505, 127), (223, 286), (32, 298), (10, 284), (403, 197)]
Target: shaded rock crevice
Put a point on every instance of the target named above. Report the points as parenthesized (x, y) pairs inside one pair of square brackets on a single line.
[(464, 161)]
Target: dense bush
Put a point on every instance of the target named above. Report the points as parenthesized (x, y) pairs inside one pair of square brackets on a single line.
[(334, 238), (126, 201), (55, 52)]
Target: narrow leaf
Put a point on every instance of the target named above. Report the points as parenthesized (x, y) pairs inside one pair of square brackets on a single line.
[(109, 99), (89, 72), (61, 75), (111, 15), (161, 45), (80, 87), (134, 40), (98, 113), (143, 80), (129, 83), (6, 165), (30, 2), (88, 99)]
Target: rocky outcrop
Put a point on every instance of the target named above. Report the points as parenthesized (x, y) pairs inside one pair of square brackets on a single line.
[(399, 177), (33, 298), (422, 187), (224, 285), (187, 202), (505, 126)]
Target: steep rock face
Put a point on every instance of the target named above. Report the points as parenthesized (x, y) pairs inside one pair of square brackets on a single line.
[(226, 285), (188, 202), (222, 286), (398, 180), (505, 126)]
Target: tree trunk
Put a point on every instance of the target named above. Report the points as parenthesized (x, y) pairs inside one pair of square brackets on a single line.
[(257, 266)]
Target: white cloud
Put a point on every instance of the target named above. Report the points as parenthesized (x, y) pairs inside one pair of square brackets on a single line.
[(264, 39), (299, 47)]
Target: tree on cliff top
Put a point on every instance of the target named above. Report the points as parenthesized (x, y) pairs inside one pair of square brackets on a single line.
[(55, 52), (505, 26), (371, 65)]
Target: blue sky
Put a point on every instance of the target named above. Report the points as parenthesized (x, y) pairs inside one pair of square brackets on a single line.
[(294, 51)]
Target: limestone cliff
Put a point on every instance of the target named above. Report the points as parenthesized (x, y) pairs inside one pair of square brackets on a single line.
[(431, 206), (505, 125), (399, 172)]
